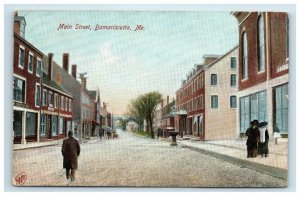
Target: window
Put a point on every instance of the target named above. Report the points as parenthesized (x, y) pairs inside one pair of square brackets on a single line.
[(200, 81), (281, 100), (17, 123), (244, 114), (54, 126), (61, 125), (30, 63), (245, 57), (233, 80), (21, 57), (233, 62), (31, 123), (37, 95), (201, 101), (19, 90), (50, 101), (70, 105), (62, 103), (213, 79), (44, 97), (43, 124), (261, 44), (22, 29), (214, 101), (69, 125), (253, 107), (38, 67), (233, 102), (66, 104), (55, 100)]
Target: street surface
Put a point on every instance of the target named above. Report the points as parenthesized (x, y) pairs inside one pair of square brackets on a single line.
[(136, 161)]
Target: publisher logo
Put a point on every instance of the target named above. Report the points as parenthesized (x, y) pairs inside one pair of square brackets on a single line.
[(21, 178)]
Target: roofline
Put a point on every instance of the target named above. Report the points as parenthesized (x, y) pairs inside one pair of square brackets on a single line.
[(66, 94), (208, 65), (220, 58), (29, 44)]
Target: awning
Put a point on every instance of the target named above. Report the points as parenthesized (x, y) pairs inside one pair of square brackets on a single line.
[(93, 121)]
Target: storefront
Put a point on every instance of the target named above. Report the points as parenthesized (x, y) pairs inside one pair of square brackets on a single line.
[(281, 108), (25, 126), (253, 107)]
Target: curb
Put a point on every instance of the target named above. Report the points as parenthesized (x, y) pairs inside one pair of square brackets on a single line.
[(269, 170), (30, 147)]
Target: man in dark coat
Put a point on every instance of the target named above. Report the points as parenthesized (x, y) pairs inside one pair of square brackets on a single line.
[(253, 138), (101, 133), (70, 151)]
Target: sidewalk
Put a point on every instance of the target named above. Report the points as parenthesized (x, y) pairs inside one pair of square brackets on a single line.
[(37, 144), (235, 151), (49, 143)]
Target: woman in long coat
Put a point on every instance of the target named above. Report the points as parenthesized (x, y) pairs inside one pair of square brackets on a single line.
[(70, 151), (263, 139)]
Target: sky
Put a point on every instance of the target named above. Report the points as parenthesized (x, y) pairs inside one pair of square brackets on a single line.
[(124, 64)]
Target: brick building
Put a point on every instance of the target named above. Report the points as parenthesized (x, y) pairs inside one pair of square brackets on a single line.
[(168, 117), (96, 123), (207, 99), (263, 69), (56, 107), (83, 105), (27, 72), (42, 108)]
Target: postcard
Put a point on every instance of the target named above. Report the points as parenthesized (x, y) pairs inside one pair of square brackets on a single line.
[(150, 98)]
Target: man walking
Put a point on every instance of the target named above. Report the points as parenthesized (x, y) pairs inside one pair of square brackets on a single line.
[(70, 151)]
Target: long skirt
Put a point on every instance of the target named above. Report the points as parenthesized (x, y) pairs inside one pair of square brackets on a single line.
[(263, 148)]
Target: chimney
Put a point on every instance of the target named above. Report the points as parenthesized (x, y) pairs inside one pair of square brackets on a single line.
[(162, 103), (50, 66), (19, 25), (74, 70), (66, 61), (167, 100), (104, 105), (83, 82)]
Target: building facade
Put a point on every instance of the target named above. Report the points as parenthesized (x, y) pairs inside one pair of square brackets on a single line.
[(27, 72), (263, 69), (220, 96), (208, 97), (168, 117), (56, 107)]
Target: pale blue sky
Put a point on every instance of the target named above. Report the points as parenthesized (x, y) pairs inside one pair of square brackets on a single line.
[(124, 64)]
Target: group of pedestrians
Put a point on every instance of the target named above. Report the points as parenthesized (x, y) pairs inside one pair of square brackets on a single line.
[(258, 139)]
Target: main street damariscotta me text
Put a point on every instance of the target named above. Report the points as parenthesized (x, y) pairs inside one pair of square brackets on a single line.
[(97, 27)]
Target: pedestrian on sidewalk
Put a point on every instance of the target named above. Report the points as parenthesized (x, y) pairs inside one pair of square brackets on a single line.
[(158, 133), (263, 139), (108, 133), (101, 133), (253, 136), (276, 134), (70, 151)]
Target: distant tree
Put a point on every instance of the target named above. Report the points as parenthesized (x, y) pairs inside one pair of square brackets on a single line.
[(143, 108)]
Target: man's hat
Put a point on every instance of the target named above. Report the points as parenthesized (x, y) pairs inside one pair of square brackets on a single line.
[(254, 122), (70, 133), (262, 124)]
